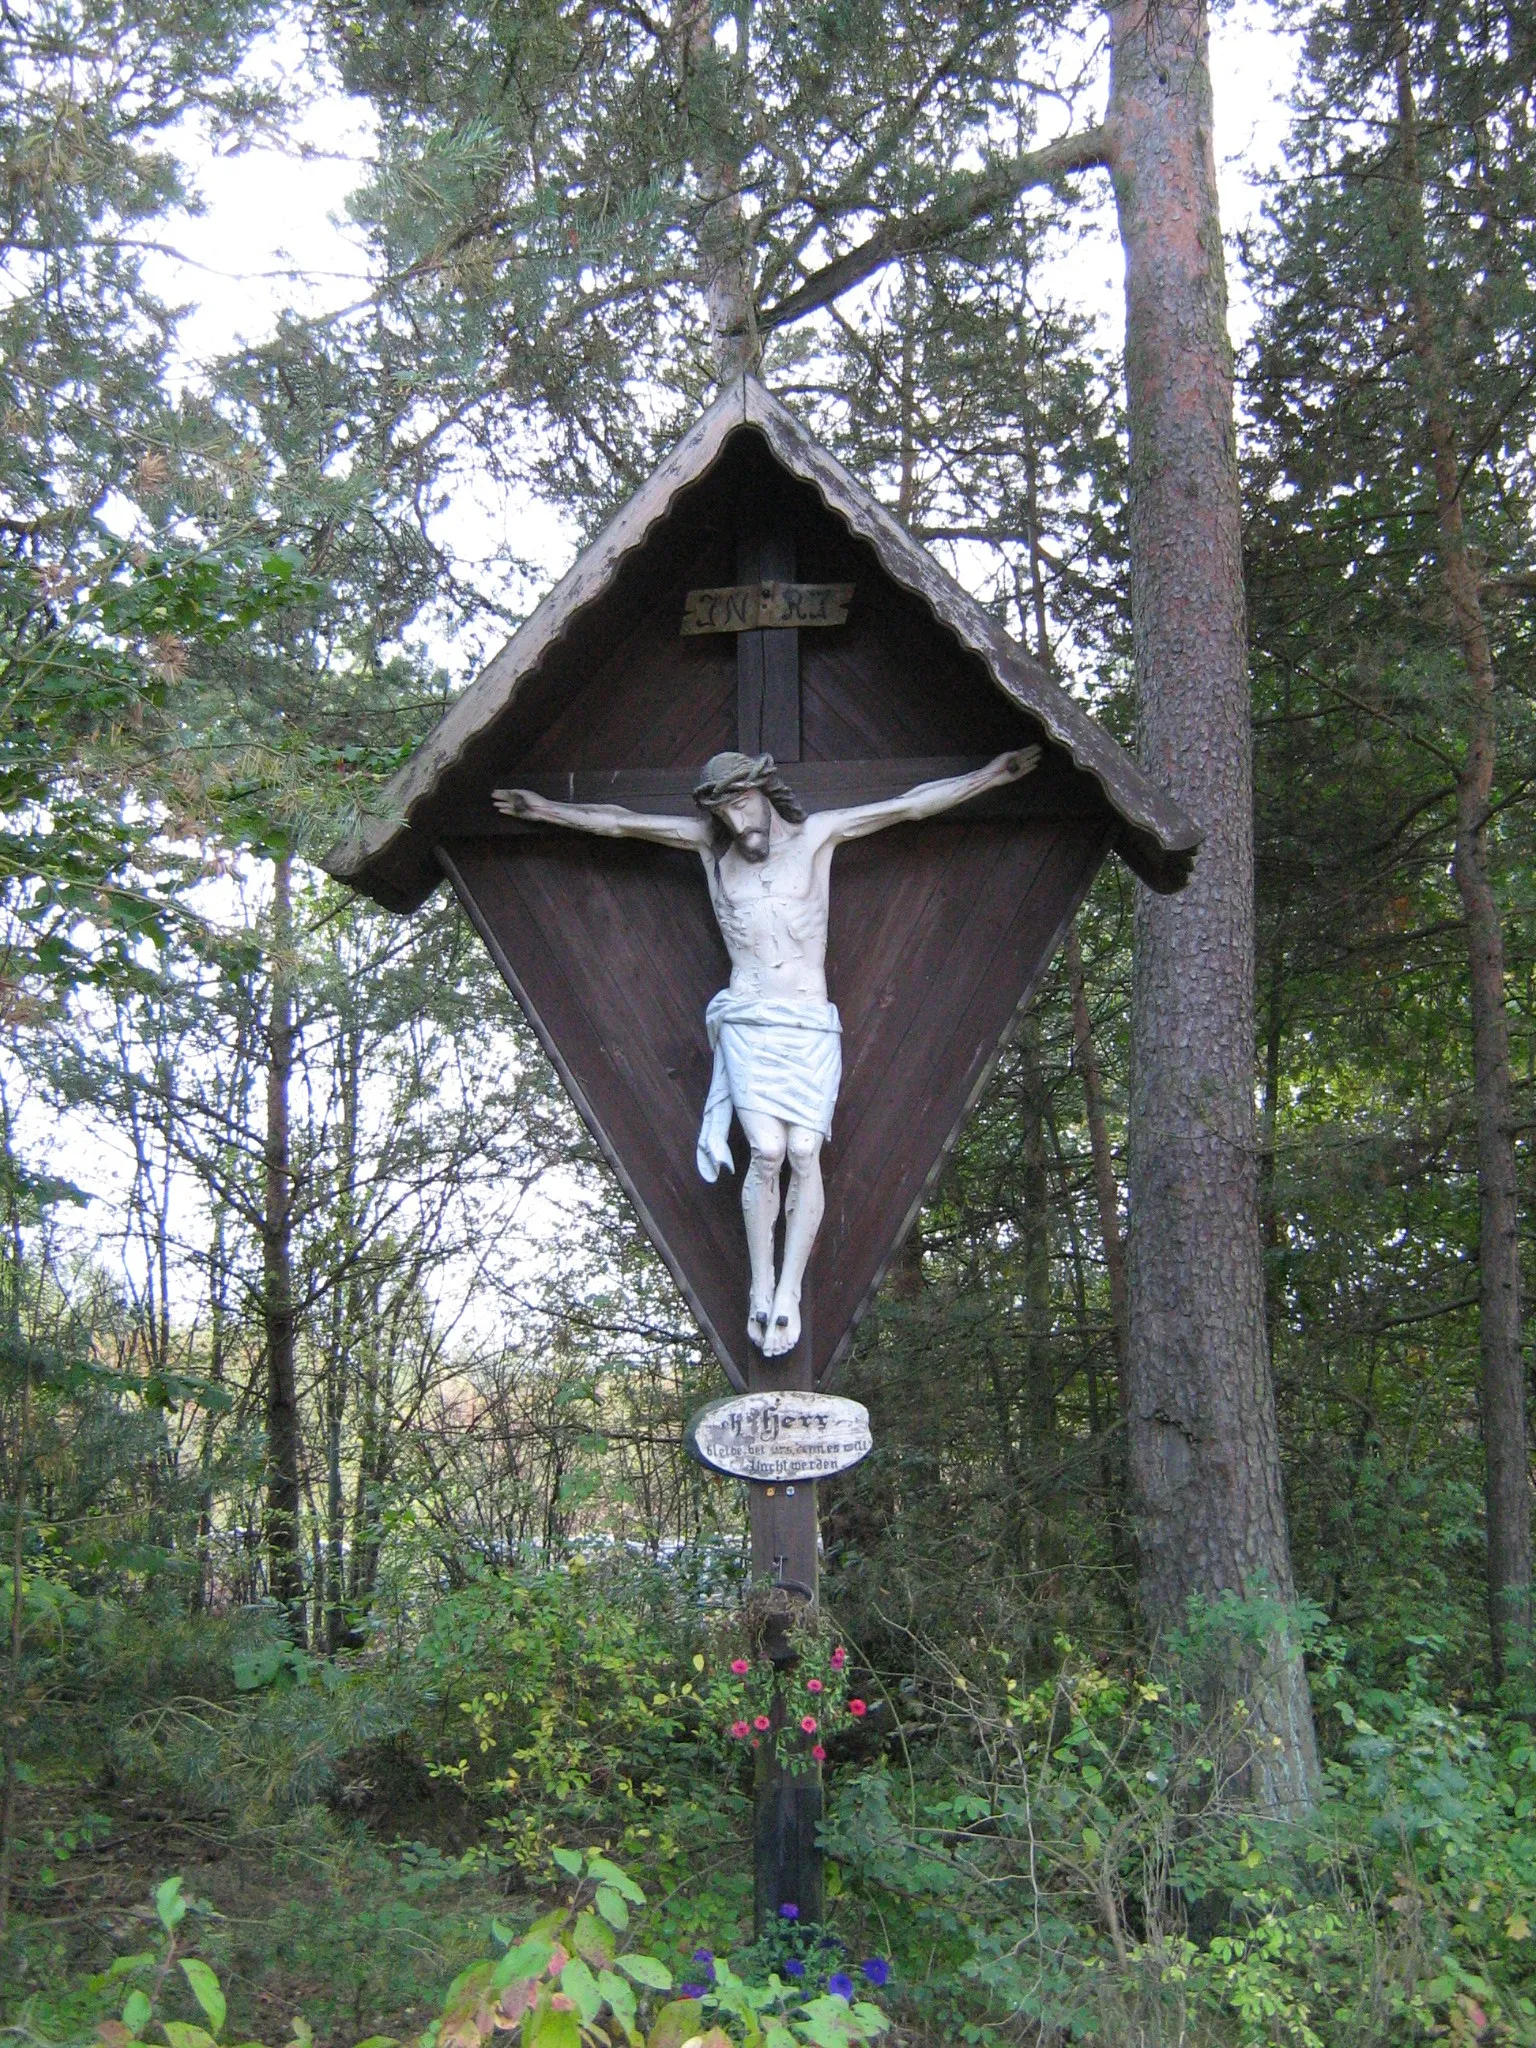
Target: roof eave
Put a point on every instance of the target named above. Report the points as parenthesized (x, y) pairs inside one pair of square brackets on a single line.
[(1156, 837)]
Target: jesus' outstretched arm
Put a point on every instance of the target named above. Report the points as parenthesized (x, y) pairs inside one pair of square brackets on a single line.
[(927, 800), (607, 821)]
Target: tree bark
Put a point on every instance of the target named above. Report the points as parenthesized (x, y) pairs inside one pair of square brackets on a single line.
[(285, 1568), (724, 238), (1506, 1458), (1205, 1463)]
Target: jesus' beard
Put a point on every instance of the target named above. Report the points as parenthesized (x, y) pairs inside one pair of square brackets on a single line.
[(753, 844)]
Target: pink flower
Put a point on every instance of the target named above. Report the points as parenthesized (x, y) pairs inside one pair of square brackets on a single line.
[(740, 1666), (757, 1742), (819, 1753), (839, 1658), (858, 1709), (808, 1724), (813, 1685), (761, 1723), (740, 1730)]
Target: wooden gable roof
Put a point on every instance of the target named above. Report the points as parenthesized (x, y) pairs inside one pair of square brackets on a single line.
[(543, 667)]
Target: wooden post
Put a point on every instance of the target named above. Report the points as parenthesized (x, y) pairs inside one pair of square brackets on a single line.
[(785, 1857), (786, 1860)]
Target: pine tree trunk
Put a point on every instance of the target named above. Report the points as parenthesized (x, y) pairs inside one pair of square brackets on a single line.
[(1506, 1458), (1205, 1461), (723, 235), (285, 1567)]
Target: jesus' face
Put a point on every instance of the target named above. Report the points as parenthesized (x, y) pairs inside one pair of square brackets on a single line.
[(748, 819)]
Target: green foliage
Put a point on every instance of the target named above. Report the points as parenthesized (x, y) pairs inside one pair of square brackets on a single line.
[(1086, 1860), (563, 1980)]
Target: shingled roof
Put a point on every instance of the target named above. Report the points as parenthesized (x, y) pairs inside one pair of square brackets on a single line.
[(392, 857)]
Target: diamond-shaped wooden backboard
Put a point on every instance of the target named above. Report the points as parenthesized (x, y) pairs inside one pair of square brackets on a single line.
[(939, 931)]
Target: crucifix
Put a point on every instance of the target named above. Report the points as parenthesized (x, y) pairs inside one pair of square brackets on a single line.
[(899, 720), (774, 1032)]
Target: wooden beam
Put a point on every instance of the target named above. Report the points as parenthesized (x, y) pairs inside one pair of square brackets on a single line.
[(768, 662), (820, 786)]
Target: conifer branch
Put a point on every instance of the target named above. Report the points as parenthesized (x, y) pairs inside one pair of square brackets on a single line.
[(982, 193)]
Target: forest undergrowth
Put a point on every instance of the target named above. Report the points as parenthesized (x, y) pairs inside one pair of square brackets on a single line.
[(1019, 1855)]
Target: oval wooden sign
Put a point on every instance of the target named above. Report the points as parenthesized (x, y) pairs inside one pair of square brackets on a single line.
[(780, 1437)]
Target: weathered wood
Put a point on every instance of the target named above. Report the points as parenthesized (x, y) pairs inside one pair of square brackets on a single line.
[(621, 602), (785, 1545), (768, 662), (1050, 793), (744, 607)]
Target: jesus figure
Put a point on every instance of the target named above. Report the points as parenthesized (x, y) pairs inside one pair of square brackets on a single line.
[(776, 1037)]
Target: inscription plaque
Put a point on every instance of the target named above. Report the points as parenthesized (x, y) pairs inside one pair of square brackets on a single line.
[(750, 607), (780, 1438)]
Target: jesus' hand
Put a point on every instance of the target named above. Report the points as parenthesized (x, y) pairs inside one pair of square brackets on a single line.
[(1015, 766)]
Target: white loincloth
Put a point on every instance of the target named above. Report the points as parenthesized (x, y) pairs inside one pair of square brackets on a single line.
[(778, 1058)]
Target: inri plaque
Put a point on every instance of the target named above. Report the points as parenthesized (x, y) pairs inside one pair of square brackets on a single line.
[(780, 1437)]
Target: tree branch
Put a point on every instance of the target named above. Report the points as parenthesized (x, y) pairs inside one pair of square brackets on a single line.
[(982, 193)]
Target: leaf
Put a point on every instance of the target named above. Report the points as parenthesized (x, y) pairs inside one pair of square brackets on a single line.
[(591, 1939), (569, 1861), (610, 1873), (619, 1999), (676, 2023), (205, 1989), (578, 1983), (181, 2035), (136, 2011), (612, 1907), (1517, 1927), (170, 1905), (526, 1960), (379, 2041), (113, 2033), (515, 2001), (646, 1970), (552, 2029)]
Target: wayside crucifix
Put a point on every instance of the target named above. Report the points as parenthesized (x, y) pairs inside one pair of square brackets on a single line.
[(752, 596), (775, 1034)]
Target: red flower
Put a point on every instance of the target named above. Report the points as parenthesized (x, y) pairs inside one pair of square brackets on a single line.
[(808, 1723), (740, 1666), (761, 1723), (813, 1685), (858, 1709), (740, 1729), (839, 1658), (819, 1753)]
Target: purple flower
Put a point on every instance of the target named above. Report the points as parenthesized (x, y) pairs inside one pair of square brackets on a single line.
[(840, 1984), (691, 1990), (706, 1957), (794, 1968), (789, 1912), (877, 1970)]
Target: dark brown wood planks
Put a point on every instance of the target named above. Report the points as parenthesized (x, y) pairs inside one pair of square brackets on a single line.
[(939, 931)]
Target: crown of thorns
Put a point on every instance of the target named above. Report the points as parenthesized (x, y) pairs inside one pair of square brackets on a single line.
[(732, 775)]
